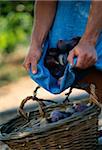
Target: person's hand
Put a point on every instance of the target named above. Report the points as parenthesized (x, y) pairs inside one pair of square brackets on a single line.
[(32, 58), (85, 53)]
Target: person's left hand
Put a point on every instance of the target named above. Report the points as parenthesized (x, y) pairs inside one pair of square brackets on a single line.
[(85, 53)]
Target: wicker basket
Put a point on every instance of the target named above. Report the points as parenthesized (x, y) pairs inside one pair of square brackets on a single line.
[(77, 132)]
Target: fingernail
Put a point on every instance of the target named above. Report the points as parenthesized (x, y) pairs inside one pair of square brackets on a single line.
[(34, 71)]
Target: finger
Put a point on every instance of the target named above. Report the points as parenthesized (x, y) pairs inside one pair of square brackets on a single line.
[(34, 65), (71, 57), (89, 61), (84, 62), (92, 59), (26, 66), (81, 62)]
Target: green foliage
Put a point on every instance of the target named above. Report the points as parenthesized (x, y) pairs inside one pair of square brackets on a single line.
[(15, 24)]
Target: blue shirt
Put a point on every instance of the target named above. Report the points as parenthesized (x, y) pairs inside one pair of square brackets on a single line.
[(70, 21)]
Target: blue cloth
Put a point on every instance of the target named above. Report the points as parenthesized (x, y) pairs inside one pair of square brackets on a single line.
[(69, 22)]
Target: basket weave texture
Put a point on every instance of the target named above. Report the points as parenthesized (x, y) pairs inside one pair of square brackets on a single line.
[(77, 132)]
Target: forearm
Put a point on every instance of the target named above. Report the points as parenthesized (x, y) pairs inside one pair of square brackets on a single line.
[(44, 15), (94, 24)]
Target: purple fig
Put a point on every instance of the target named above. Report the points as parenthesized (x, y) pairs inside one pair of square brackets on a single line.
[(80, 107), (57, 115)]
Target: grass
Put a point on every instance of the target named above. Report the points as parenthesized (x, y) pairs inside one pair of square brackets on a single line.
[(11, 68)]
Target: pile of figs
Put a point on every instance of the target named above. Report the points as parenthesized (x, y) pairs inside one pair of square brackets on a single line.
[(56, 58), (57, 114)]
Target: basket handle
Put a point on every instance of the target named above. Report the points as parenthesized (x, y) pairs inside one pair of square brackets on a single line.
[(34, 98), (93, 96)]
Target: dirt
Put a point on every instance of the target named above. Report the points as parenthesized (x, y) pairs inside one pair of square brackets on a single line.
[(11, 95)]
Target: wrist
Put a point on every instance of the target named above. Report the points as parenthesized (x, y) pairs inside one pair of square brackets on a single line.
[(90, 37), (36, 41), (35, 45)]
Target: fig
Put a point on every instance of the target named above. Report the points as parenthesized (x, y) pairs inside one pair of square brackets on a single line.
[(58, 115)]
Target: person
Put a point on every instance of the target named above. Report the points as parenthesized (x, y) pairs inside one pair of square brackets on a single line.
[(44, 16), (65, 20)]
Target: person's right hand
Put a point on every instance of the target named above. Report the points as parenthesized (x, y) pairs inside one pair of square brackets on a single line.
[(32, 58)]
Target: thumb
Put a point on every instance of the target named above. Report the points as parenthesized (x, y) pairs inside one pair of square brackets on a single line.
[(34, 62), (34, 66), (71, 57)]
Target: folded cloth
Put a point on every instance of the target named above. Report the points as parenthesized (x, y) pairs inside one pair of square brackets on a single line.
[(48, 77)]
